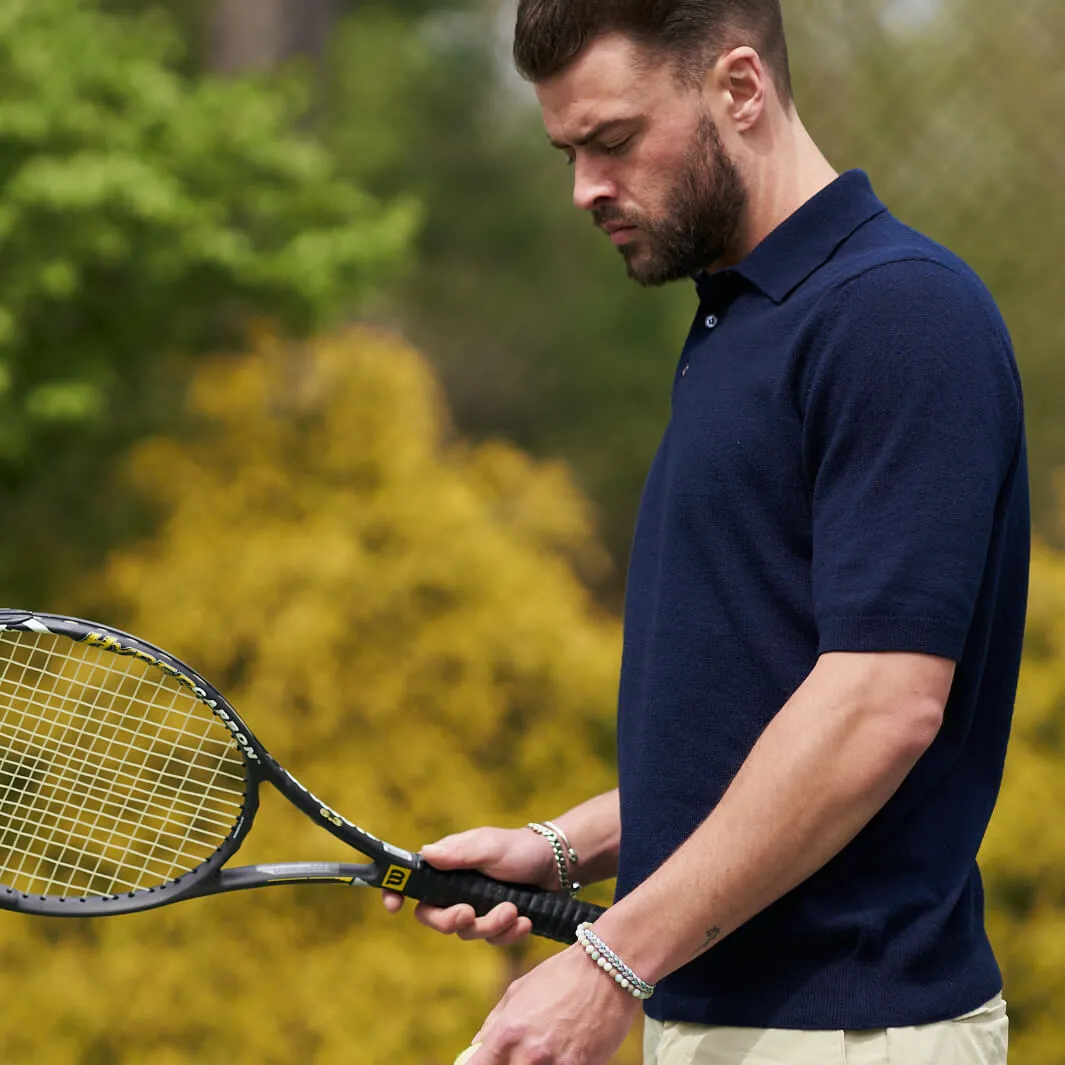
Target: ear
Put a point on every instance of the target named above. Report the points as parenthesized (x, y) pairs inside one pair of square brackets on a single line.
[(744, 85)]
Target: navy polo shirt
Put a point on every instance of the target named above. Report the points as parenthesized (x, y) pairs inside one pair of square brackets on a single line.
[(844, 470)]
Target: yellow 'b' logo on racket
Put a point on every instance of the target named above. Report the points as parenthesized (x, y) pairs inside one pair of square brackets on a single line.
[(396, 878)]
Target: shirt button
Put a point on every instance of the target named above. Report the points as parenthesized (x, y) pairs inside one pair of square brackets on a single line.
[(711, 321)]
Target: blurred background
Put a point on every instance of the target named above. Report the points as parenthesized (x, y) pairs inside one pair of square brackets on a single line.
[(310, 372)]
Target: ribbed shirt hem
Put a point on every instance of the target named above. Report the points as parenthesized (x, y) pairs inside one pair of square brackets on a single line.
[(844, 997)]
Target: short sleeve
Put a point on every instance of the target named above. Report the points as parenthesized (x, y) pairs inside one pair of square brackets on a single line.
[(912, 422)]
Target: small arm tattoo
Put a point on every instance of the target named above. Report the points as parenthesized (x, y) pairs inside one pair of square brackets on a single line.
[(712, 936)]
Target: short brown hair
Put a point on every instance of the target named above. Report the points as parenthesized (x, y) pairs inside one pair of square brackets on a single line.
[(693, 34)]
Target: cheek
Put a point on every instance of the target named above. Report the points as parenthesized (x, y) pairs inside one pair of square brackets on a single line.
[(648, 180), (655, 162)]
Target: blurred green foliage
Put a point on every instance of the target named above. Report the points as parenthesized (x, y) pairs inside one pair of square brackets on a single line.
[(954, 107), (524, 309), (520, 303), (145, 216)]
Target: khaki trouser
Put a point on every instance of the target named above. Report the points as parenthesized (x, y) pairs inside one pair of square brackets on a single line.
[(977, 1038)]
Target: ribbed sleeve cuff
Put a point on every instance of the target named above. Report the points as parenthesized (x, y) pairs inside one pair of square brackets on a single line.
[(932, 636)]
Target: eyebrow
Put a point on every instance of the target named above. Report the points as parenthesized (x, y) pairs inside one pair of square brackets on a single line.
[(594, 134)]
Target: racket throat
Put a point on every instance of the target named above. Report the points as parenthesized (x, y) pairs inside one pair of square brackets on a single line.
[(245, 877)]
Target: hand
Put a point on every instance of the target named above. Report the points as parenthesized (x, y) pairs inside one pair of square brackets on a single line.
[(516, 855), (564, 1012)]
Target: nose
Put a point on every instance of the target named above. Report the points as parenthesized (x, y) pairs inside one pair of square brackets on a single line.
[(591, 185)]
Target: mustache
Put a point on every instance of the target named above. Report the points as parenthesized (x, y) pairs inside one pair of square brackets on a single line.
[(604, 216)]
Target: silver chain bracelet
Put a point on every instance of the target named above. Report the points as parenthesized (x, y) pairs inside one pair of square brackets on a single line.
[(570, 852), (612, 965), (562, 851)]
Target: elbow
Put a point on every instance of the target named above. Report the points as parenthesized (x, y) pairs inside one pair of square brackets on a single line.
[(900, 699), (918, 725), (894, 738)]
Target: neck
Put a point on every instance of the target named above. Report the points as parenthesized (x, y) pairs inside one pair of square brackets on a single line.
[(786, 169)]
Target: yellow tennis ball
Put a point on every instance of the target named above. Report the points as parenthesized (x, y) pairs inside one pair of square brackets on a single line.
[(467, 1054)]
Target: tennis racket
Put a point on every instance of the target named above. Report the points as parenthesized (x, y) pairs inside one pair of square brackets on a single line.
[(127, 782)]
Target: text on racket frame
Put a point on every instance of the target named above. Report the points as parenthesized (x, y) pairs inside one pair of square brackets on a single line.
[(116, 647)]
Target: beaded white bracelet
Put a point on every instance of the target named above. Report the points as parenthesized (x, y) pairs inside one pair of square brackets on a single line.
[(555, 836), (612, 965)]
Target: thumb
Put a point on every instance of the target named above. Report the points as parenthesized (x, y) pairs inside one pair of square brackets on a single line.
[(464, 850)]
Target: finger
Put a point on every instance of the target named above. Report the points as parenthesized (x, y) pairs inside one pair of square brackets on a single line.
[(477, 1053), (393, 902), (517, 931), (462, 920), (496, 922), (485, 1031), (449, 921)]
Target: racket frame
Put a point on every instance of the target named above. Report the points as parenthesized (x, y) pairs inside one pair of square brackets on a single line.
[(553, 915), (390, 866)]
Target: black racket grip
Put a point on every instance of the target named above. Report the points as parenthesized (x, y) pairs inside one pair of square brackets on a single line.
[(553, 915)]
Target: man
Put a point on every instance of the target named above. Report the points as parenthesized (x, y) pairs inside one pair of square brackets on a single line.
[(826, 593)]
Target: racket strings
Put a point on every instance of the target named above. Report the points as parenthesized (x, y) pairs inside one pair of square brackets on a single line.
[(66, 808), (100, 817), (114, 777)]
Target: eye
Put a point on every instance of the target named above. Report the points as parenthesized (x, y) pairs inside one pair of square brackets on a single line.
[(617, 148)]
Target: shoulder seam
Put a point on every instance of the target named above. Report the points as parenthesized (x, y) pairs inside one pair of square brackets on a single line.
[(832, 298)]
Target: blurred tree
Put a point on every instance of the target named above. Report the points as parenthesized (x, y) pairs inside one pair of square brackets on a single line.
[(521, 305), (524, 309), (1023, 858), (922, 93), (145, 214), (398, 615), (258, 34), (188, 18)]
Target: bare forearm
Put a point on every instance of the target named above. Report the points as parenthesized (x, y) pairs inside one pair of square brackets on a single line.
[(594, 830), (821, 770)]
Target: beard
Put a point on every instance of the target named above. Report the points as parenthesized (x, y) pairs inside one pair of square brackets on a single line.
[(704, 207)]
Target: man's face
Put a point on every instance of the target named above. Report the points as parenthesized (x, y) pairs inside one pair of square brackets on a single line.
[(649, 163)]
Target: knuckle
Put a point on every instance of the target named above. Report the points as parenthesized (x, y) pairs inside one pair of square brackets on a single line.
[(537, 1052), (511, 1033)]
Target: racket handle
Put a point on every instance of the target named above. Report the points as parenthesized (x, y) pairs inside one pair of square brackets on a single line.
[(554, 916)]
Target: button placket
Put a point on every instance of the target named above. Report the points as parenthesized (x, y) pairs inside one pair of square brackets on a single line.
[(711, 321)]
